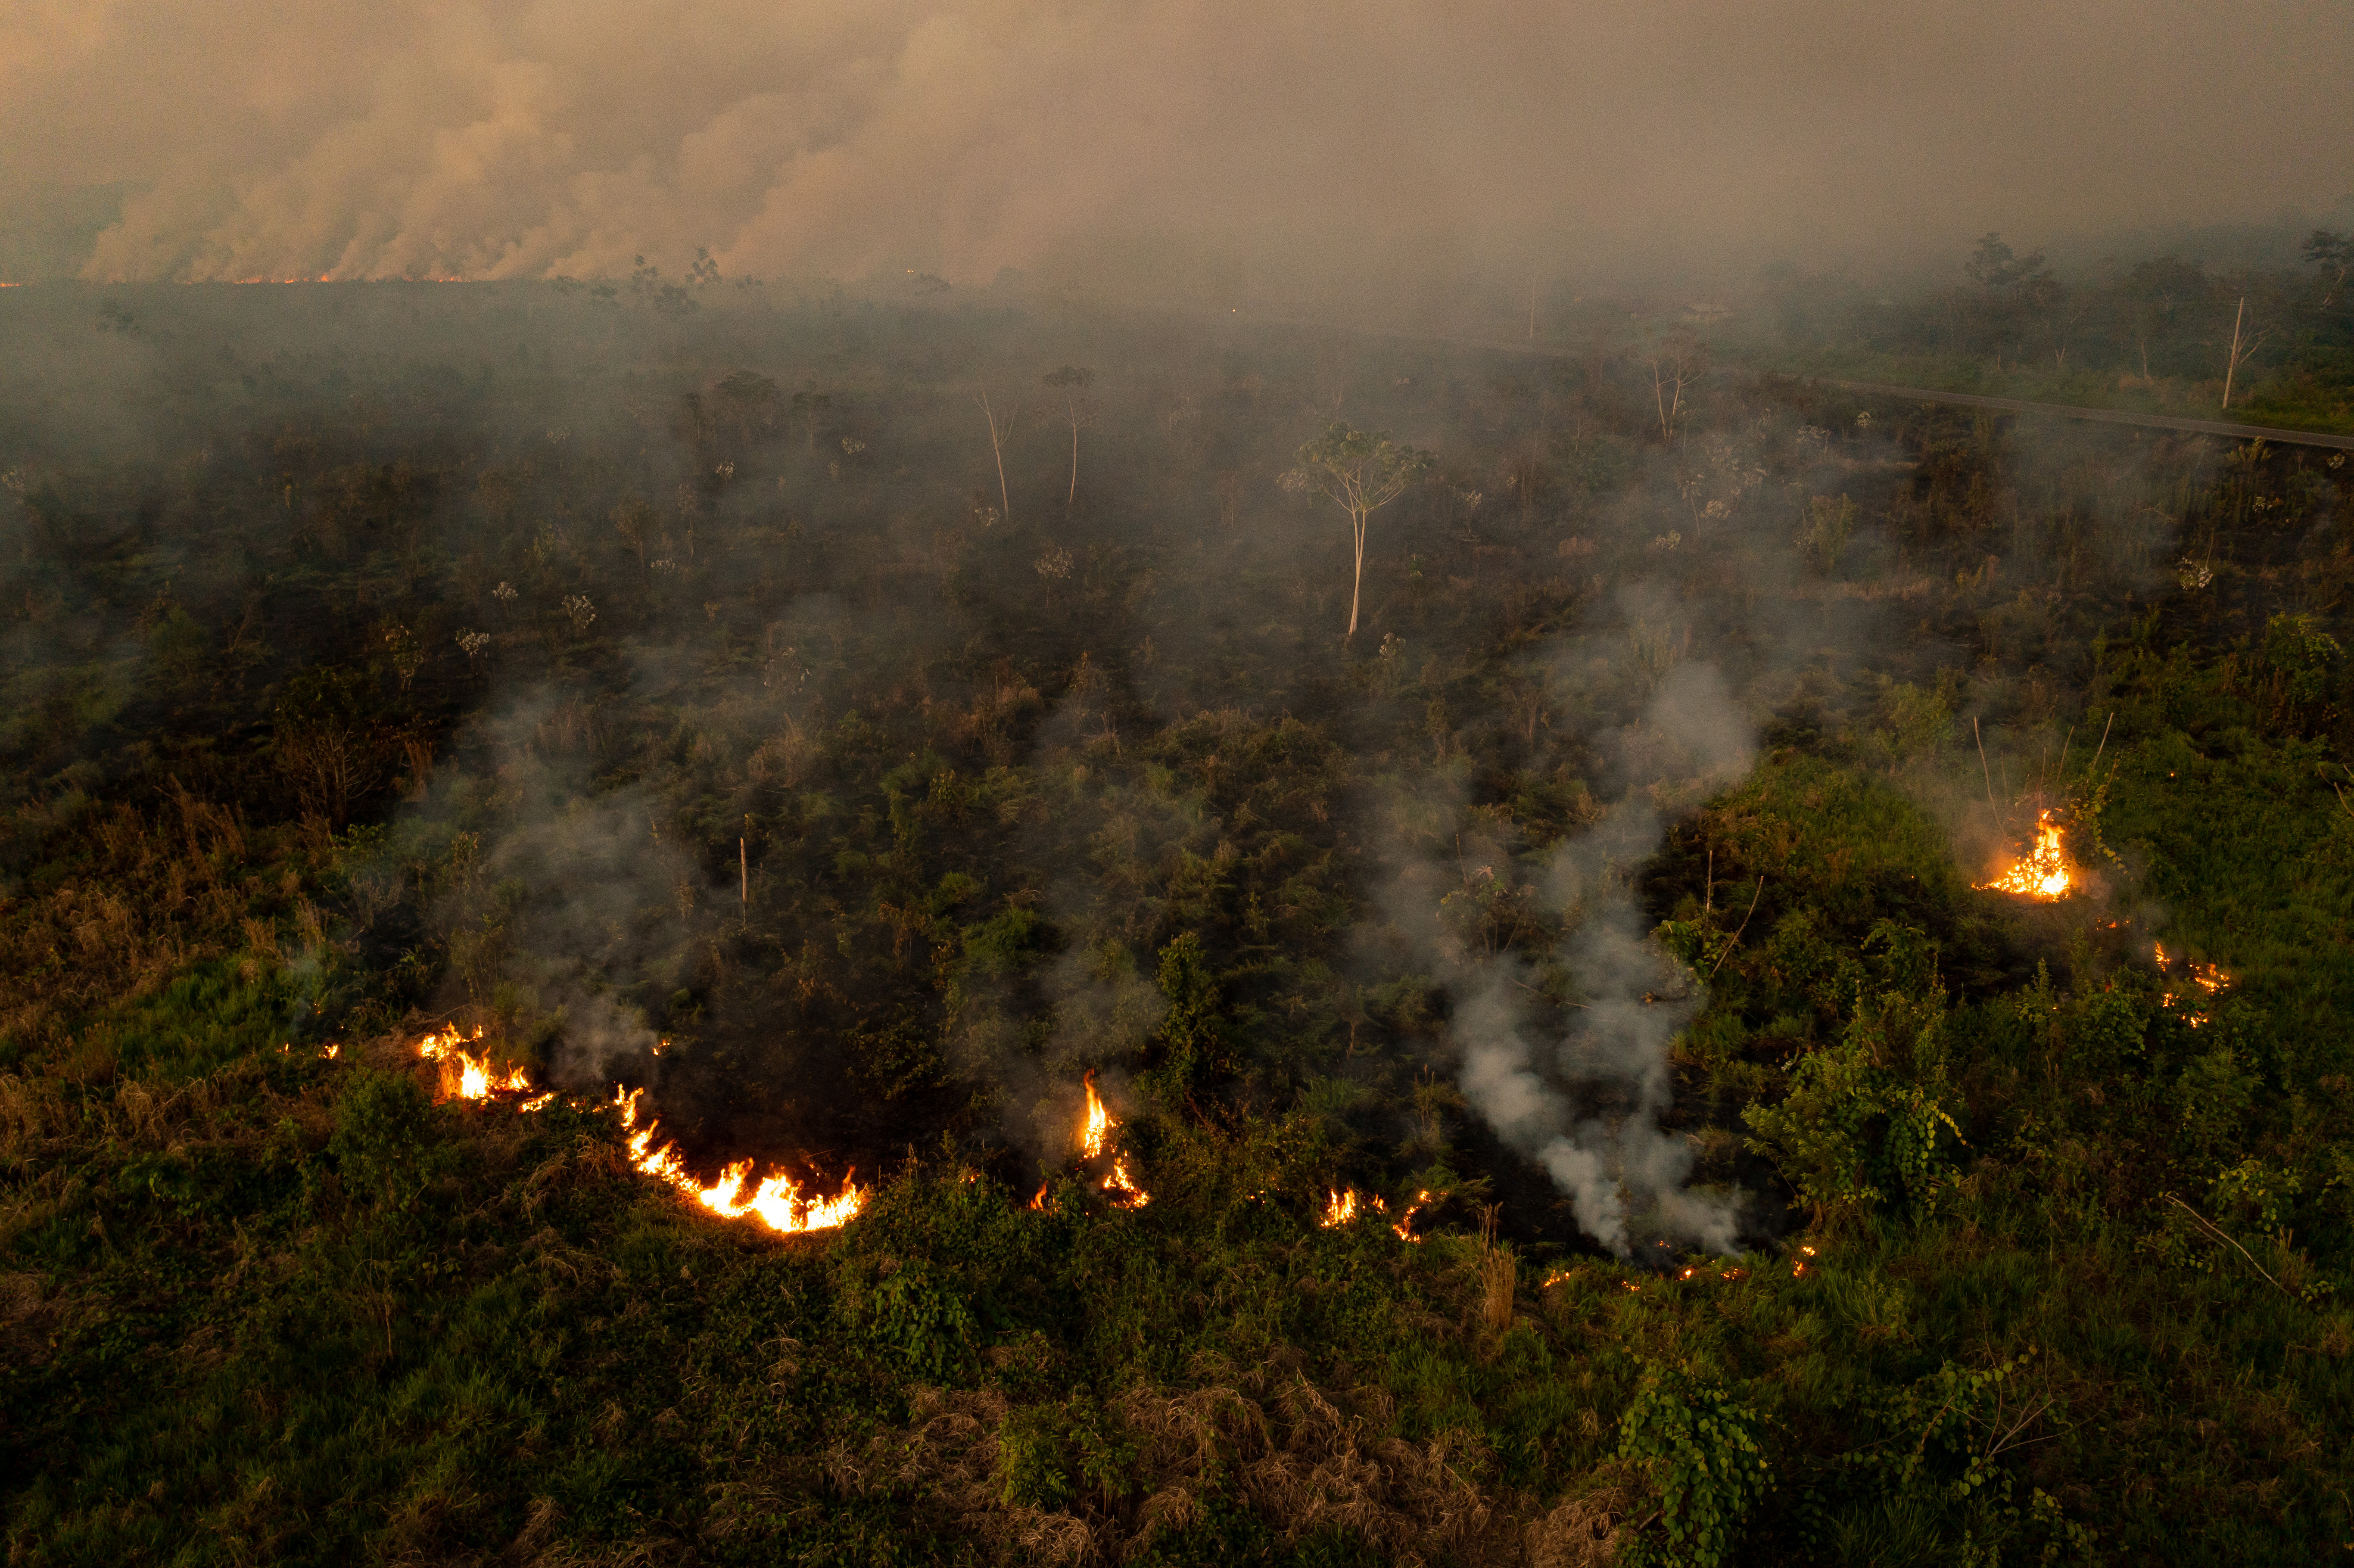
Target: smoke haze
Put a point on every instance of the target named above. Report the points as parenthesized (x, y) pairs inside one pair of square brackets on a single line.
[(1212, 151)]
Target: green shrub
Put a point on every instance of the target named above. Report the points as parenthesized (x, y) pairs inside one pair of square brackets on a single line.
[(1700, 1447), (382, 1129), (920, 1315), (1048, 1454)]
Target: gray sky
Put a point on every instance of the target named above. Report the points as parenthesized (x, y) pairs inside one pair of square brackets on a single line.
[(1265, 146)]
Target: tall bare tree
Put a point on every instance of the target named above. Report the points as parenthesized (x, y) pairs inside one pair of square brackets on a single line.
[(999, 432), (1361, 472), (2243, 345), (1677, 361), (1070, 386)]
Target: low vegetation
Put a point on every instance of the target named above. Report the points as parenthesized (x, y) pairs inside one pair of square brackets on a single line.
[(737, 736)]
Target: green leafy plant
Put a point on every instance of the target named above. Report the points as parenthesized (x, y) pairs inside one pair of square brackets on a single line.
[(1700, 1448)]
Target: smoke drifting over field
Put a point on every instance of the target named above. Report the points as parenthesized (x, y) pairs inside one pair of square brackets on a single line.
[(1210, 151)]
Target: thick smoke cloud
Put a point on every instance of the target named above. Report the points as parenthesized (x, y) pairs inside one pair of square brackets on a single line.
[(1347, 147)]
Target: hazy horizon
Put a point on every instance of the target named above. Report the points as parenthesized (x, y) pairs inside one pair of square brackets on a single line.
[(1376, 153)]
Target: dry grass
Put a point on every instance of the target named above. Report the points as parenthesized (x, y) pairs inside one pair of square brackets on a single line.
[(156, 891), (1498, 1274), (1304, 1459)]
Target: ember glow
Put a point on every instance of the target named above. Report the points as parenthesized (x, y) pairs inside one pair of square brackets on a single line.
[(2043, 872), (2208, 977), (1405, 1227)]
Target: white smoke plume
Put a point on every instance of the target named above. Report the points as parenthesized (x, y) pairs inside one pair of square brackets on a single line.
[(1587, 1107)]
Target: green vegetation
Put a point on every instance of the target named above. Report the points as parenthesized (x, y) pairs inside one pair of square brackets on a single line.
[(2163, 335), (856, 820)]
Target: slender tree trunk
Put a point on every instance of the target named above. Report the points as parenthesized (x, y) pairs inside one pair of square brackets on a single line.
[(2232, 368), (997, 449), (1357, 585), (1072, 499)]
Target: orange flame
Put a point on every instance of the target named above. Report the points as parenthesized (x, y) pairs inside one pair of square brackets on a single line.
[(777, 1202), (1125, 1192), (2043, 872), (468, 1077), (1340, 1207), (1097, 1124), (1095, 1130), (1405, 1227)]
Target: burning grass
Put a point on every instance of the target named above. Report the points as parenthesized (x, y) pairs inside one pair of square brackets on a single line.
[(776, 1201)]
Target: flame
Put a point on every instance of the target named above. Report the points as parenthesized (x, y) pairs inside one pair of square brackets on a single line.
[(1405, 1227), (1125, 1192), (2043, 872), (1097, 1124), (1039, 1199), (464, 1075), (777, 1202), (1094, 1132), (1340, 1207)]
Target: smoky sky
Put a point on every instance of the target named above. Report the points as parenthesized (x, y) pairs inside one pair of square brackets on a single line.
[(1215, 148)]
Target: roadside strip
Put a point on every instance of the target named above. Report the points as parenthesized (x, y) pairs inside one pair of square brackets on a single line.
[(2106, 416)]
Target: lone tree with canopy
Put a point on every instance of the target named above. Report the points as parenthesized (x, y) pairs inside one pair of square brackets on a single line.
[(1361, 472)]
